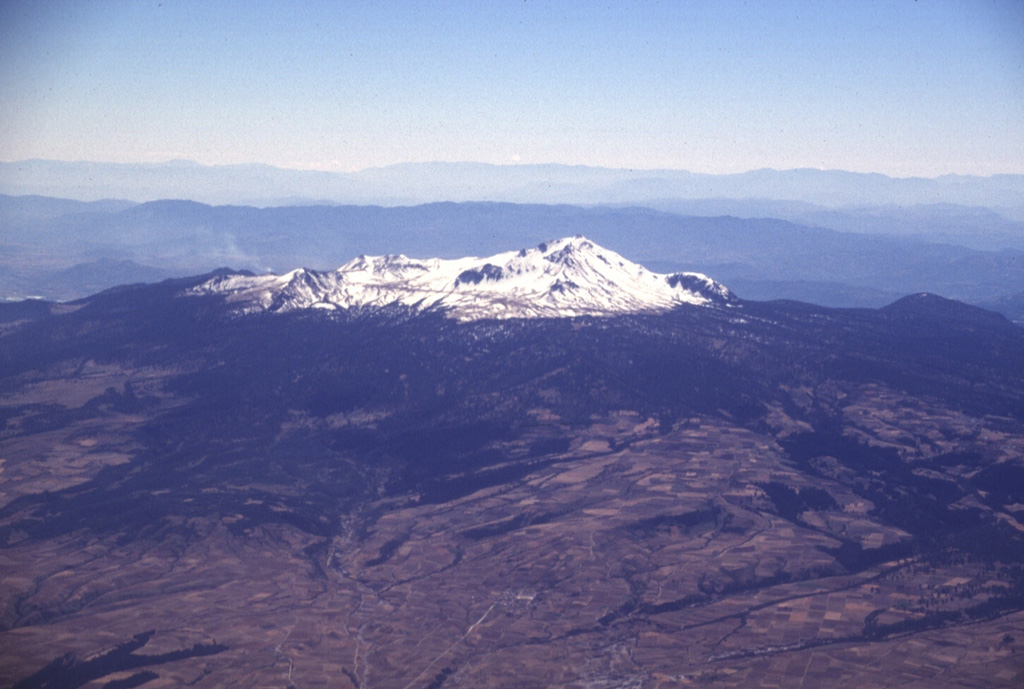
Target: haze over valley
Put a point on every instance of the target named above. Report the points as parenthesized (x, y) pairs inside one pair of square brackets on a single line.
[(765, 248)]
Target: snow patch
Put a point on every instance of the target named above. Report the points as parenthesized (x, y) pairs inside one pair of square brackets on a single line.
[(564, 278)]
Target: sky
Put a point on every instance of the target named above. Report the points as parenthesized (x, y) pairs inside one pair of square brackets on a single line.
[(899, 87)]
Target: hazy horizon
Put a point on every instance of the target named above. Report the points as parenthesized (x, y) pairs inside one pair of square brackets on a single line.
[(188, 161), (904, 89)]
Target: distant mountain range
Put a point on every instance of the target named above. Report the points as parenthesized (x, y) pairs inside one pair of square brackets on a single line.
[(975, 227), (68, 229), (417, 183), (62, 249)]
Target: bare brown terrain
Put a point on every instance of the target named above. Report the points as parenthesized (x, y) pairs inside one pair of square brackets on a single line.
[(159, 533), (638, 557)]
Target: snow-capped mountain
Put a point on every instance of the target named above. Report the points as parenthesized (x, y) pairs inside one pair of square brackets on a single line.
[(564, 278)]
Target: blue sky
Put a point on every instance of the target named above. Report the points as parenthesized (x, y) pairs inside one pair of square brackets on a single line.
[(898, 87)]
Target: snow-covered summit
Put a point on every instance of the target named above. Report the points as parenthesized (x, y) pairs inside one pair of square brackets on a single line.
[(563, 278)]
